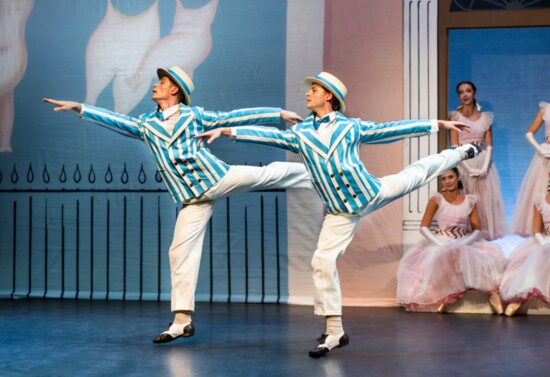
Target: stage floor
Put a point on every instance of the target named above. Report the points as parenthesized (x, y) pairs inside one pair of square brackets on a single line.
[(98, 338)]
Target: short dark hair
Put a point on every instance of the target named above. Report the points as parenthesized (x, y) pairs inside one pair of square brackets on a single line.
[(335, 103), (181, 97)]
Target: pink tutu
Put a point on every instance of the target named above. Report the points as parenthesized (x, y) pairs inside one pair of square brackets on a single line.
[(534, 183), (527, 273), (430, 275)]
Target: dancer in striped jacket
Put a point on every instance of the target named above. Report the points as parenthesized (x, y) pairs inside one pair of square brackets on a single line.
[(328, 143), (194, 177)]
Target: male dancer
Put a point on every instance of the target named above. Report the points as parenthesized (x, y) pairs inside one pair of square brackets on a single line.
[(329, 144), (193, 175)]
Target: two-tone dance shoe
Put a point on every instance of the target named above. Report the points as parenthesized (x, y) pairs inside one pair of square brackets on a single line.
[(469, 149), (327, 343), (175, 331)]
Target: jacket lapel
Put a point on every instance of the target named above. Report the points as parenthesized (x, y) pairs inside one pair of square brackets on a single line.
[(340, 130), (153, 125), (309, 135), (181, 125)]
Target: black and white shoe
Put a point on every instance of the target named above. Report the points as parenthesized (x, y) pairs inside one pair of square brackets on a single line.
[(175, 331), (327, 343), (470, 150)]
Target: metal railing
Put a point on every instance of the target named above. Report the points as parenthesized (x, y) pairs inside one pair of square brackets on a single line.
[(72, 235)]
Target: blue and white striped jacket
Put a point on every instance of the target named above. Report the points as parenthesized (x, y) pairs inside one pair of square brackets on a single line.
[(188, 170), (337, 173)]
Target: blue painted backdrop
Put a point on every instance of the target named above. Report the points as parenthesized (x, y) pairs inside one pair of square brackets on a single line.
[(245, 67)]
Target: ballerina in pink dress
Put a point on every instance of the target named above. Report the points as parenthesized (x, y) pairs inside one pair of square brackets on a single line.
[(452, 259), (536, 177), (527, 273), (480, 174)]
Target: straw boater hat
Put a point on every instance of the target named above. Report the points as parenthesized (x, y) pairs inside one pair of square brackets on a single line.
[(181, 79), (330, 83)]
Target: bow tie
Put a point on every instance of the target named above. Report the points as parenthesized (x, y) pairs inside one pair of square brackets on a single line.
[(160, 115), (325, 119)]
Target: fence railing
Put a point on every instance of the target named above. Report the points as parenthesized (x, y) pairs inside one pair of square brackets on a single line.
[(105, 235)]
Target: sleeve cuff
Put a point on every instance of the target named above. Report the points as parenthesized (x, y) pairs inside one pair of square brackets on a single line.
[(81, 112), (435, 126), (233, 134)]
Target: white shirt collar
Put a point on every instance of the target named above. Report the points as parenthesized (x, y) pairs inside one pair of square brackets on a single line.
[(170, 111)]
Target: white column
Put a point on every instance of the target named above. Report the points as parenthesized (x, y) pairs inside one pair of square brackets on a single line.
[(420, 101)]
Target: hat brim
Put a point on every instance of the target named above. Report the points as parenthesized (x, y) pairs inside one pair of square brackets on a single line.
[(310, 80), (161, 72)]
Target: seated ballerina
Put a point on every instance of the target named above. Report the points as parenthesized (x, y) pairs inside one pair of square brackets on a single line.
[(452, 259), (527, 272)]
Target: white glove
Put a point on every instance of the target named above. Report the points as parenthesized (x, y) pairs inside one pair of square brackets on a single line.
[(487, 161), (476, 173), (427, 233), (541, 240), (471, 238), (536, 146)]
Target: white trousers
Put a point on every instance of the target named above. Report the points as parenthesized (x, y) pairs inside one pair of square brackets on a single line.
[(186, 248), (338, 230)]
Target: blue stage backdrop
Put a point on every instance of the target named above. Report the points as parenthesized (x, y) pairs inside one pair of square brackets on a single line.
[(510, 69), (83, 212)]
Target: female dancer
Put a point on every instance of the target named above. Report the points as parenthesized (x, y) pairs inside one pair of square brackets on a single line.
[(480, 174), (536, 176), (452, 259), (527, 273)]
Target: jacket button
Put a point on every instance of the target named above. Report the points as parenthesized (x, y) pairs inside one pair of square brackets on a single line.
[(200, 180), (190, 185), (338, 188), (345, 200), (332, 176), (341, 174), (347, 185), (354, 196)]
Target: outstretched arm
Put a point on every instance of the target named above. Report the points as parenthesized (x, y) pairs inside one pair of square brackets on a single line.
[(380, 133), (270, 136), (453, 125), (210, 136), (453, 138), (290, 117), (64, 105), (246, 117), (124, 124)]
